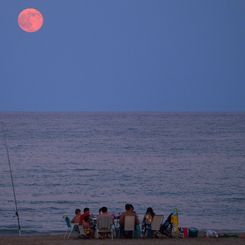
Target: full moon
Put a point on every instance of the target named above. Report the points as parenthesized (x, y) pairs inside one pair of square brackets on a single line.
[(30, 20)]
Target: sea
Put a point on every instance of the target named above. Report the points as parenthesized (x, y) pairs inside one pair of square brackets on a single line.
[(194, 162)]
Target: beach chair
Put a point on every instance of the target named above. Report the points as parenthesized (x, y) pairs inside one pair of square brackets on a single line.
[(70, 227), (156, 224), (104, 226), (129, 225)]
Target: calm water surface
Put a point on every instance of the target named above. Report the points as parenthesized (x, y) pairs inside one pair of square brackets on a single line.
[(63, 161)]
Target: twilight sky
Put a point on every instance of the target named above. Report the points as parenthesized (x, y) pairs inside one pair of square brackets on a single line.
[(124, 55)]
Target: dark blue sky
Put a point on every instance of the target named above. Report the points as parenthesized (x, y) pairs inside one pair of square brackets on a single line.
[(124, 55)]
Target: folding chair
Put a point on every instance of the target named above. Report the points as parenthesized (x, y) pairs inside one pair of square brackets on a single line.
[(104, 226), (129, 225), (156, 223), (70, 227)]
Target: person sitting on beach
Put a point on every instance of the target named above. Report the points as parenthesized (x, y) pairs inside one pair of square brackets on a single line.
[(86, 213), (76, 218), (146, 223), (87, 222), (103, 212), (129, 211), (88, 227)]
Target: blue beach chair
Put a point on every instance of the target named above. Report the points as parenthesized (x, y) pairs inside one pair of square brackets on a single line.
[(70, 227)]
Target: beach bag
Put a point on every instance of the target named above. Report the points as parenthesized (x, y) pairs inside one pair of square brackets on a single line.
[(167, 226)]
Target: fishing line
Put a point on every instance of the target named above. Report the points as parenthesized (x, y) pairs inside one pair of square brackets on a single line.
[(5, 143)]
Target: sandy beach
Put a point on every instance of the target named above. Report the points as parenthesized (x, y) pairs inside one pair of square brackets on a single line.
[(58, 240)]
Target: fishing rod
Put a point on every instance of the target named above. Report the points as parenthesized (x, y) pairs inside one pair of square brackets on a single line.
[(12, 179)]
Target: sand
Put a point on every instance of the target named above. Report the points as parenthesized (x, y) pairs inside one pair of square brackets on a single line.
[(58, 240)]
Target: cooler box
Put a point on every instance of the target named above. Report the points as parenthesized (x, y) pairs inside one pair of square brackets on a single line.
[(193, 232)]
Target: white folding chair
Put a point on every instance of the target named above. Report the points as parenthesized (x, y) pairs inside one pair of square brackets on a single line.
[(156, 223), (104, 226), (129, 224)]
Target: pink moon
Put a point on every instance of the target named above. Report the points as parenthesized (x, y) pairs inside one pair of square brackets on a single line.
[(30, 20)]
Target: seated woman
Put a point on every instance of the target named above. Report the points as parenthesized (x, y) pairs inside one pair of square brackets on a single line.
[(146, 224)]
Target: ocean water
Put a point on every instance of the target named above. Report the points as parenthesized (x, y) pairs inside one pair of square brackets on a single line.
[(62, 161)]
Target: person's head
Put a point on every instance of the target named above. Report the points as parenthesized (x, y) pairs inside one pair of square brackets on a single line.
[(77, 211), (150, 211), (104, 209), (85, 210), (128, 207)]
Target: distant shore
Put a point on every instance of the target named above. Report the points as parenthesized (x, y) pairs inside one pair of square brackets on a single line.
[(59, 240)]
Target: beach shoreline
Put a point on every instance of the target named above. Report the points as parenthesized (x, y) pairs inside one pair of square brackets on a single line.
[(59, 239)]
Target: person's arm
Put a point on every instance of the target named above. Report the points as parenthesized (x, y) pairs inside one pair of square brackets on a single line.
[(121, 220)]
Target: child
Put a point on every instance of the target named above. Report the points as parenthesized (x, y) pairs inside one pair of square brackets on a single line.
[(76, 218)]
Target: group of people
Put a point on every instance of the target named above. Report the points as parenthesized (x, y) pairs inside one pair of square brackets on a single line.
[(86, 220)]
